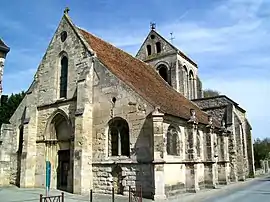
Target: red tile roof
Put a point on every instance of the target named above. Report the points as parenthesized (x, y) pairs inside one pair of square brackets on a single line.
[(143, 79)]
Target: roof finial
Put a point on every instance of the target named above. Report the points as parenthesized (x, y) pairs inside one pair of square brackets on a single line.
[(66, 10), (152, 25)]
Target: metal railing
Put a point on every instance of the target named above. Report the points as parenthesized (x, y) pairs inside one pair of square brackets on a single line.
[(59, 198), (133, 195)]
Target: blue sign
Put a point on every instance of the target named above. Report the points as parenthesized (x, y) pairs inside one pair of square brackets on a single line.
[(48, 176)]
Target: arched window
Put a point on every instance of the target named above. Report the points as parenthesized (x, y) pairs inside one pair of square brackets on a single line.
[(63, 77), (148, 47), (158, 47), (163, 72), (185, 76), (119, 137), (173, 141), (191, 85)]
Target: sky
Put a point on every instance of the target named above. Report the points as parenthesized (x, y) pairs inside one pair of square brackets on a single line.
[(228, 39)]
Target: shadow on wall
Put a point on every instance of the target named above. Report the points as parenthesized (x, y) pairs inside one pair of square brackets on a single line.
[(143, 151), (19, 154)]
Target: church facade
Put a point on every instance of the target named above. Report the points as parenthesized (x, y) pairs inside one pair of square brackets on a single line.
[(104, 119)]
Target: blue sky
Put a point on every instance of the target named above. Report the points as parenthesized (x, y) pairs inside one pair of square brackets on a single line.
[(228, 39)]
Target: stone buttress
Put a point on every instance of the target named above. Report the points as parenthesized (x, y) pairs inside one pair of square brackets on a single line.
[(192, 183), (159, 151)]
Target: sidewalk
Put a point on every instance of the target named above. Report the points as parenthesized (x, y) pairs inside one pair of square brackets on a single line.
[(14, 194)]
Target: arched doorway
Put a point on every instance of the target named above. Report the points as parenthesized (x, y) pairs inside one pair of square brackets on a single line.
[(117, 180), (60, 132)]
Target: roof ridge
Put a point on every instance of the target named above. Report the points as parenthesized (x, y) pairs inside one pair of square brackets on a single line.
[(158, 93), (177, 49), (114, 46)]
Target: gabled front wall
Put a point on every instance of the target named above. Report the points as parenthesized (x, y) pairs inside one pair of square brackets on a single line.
[(131, 107), (49, 101), (48, 74), (166, 48), (43, 100)]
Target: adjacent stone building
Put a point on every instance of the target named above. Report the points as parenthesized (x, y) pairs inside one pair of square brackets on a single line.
[(241, 145), (105, 119)]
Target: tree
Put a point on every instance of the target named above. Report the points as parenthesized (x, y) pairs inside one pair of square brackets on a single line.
[(210, 93), (261, 150), (9, 105)]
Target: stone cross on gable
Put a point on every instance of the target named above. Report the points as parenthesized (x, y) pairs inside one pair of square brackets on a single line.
[(66, 10), (152, 25)]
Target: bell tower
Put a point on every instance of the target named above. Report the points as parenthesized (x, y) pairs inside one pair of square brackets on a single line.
[(4, 49)]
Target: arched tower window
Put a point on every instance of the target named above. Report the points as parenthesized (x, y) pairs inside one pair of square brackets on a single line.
[(148, 47), (119, 137), (173, 144), (191, 85), (158, 47), (185, 83), (64, 77), (163, 72)]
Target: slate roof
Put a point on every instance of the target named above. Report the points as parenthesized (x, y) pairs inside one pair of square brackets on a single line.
[(143, 79), (3, 47)]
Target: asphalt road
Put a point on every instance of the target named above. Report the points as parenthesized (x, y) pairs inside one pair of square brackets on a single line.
[(255, 191)]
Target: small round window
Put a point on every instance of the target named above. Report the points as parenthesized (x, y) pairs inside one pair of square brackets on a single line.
[(63, 36), (152, 36)]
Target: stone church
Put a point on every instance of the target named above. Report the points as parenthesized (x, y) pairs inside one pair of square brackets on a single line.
[(104, 119)]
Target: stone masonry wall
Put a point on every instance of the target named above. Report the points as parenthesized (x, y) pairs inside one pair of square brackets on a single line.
[(132, 108), (45, 116), (214, 106), (48, 73), (241, 116), (170, 58), (166, 48), (6, 147), (44, 92), (133, 175)]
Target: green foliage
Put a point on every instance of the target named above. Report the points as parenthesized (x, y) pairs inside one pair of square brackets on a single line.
[(210, 93), (261, 150), (9, 105)]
